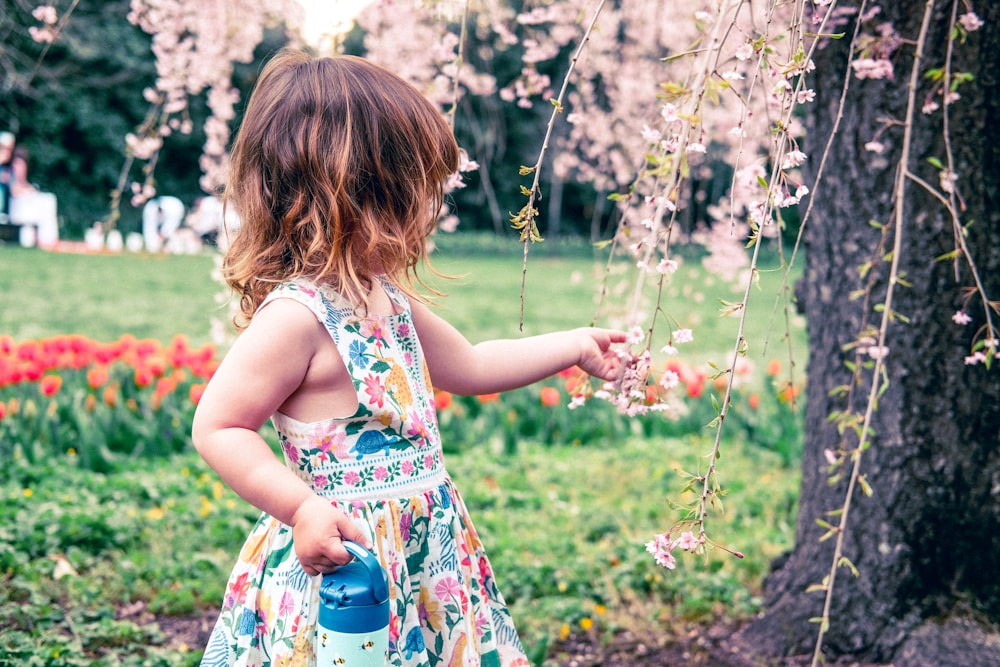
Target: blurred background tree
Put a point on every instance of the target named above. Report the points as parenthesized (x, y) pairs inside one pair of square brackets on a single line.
[(71, 104)]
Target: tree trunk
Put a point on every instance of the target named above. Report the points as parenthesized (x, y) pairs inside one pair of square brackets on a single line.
[(926, 543)]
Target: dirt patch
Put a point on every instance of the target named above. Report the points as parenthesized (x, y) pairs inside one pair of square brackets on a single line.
[(188, 632), (712, 644)]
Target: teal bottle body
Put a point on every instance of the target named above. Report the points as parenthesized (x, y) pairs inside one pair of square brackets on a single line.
[(353, 627)]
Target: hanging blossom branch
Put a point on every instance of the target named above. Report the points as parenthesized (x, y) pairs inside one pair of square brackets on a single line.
[(195, 45), (984, 343), (668, 169), (456, 90), (419, 46), (888, 315), (871, 342), (777, 197), (790, 90), (46, 34), (671, 170), (824, 158), (524, 220)]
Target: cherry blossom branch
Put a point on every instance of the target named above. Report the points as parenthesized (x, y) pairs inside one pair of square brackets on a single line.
[(952, 204), (459, 61), (798, 63), (821, 169), (47, 35), (899, 196), (525, 218)]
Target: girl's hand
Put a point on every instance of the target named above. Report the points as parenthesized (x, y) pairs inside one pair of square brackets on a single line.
[(318, 532), (596, 356)]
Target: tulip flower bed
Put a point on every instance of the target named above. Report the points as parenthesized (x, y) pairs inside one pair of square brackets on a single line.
[(104, 402), (96, 401), (766, 412)]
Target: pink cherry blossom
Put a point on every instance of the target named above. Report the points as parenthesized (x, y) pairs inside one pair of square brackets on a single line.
[(872, 68), (661, 547), (669, 380), (961, 317), (682, 336), (970, 21), (47, 14), (687, 541)]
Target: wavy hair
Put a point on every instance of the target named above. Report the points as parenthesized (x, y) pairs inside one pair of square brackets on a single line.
[(337, 173)]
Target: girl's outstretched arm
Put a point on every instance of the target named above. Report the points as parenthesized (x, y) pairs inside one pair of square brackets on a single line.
[(458, 366)]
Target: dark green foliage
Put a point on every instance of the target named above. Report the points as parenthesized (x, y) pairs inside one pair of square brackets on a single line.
[(74, 110)]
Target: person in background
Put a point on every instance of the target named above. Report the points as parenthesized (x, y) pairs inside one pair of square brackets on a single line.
[(35, 211), (161, 217), (7, 141)]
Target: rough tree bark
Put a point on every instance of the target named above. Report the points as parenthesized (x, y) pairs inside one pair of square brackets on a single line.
[(927, 542)]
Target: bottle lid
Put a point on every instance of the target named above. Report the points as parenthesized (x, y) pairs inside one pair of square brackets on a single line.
[(355, 597)]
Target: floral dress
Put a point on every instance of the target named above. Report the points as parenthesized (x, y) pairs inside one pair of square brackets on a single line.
[(383, 467)]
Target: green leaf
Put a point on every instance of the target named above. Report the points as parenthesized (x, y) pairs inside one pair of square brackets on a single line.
[(846, 562)]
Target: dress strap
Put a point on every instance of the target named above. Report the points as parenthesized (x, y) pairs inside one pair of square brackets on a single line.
[(301, 291)]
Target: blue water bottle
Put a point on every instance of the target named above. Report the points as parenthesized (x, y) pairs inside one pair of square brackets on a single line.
[(353, 626)]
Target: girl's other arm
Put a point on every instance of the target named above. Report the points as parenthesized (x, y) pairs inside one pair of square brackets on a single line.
[(267, 364), (458, 366)]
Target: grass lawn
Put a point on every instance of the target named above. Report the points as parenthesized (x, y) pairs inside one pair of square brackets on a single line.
[(565, 524)]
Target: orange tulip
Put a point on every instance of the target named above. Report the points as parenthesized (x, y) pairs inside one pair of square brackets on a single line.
[(788, 393), (147, 347), (111, 396), (97, 377), (195, 392), (165, 386), (550, 397), (157, 365), (33, 372), (773, 367), (754, 401), (28, 350), (488, 398)]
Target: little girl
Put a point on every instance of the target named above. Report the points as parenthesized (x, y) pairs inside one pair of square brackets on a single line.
[(338, 174)]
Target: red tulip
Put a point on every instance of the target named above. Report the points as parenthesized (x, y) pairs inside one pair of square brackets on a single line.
[(442, 399), (50, 385)]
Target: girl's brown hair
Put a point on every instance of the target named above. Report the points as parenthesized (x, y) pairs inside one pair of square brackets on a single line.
[(338, 174)]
